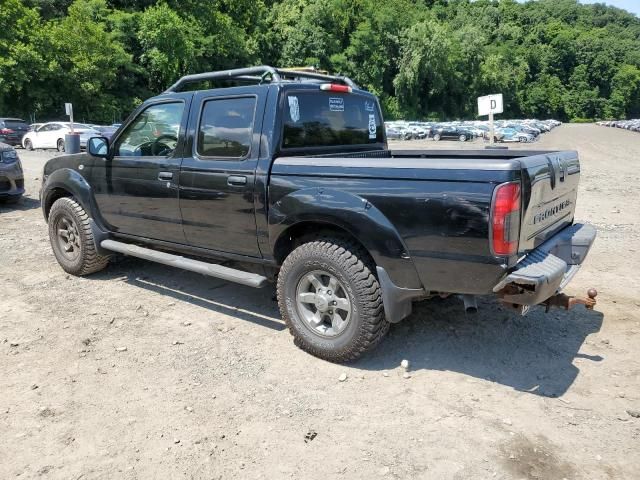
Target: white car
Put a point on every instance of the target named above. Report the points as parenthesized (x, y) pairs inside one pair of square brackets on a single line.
[(51, 135)]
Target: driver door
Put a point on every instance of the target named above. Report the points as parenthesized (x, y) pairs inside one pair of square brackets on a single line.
[(136, 187)]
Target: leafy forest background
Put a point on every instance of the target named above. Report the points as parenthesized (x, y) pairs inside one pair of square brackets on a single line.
[(425, 59)]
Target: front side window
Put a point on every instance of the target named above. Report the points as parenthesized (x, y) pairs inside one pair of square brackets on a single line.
[(319, 119), (226, 127), (154, 132)]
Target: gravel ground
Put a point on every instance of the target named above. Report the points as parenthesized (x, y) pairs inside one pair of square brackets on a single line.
[(143, 372)]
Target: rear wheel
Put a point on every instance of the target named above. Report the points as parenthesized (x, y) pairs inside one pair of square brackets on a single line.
[(72, 239), (331, 300), (436, 137), (462, 138), (522, 139), (60, 145), (28, 144)]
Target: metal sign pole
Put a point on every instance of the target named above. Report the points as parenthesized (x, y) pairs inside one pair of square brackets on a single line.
[(491, 134)]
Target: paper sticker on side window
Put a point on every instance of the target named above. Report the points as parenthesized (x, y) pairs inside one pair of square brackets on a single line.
[(294, 108), (372, 126), (336, 104)]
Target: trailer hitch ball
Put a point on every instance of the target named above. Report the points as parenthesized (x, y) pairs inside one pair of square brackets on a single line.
[(592, 293), (565, 301)]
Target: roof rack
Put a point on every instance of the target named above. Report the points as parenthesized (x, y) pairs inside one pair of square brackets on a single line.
[(262, 74)]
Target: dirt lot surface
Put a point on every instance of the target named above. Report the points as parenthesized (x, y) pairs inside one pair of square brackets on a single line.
[(146, 372)]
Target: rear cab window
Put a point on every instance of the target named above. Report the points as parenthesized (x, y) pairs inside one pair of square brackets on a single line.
[(316, 119)]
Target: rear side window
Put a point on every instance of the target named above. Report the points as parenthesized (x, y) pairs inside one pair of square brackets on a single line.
[(319, 119), (226, 127), (19, 124)]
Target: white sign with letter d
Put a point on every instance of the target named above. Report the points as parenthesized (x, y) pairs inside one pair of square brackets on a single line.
[(490, 104)]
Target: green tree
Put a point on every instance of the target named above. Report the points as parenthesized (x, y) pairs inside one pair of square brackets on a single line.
[(84, 61), (20, 59)]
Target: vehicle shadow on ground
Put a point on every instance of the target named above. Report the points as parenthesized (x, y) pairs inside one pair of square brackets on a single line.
[(532, 354), (25, 203), (248, 304)]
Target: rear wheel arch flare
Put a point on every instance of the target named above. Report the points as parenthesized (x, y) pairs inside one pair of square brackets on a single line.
[(344, 211)]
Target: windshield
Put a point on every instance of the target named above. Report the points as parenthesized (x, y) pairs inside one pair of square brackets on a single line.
[(319, 119)]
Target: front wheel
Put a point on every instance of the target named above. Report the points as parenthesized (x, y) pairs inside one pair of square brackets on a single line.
[(331, 300), (60, 145), (72, 239), (462, 138), (436, 137)]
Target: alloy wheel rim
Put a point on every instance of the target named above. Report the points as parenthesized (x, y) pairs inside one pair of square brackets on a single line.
[(323, 303), (68, 237)]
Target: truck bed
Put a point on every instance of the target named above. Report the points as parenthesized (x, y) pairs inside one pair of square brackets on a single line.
[(439, 202)]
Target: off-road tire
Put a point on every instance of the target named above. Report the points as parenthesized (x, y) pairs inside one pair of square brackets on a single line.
[(353, 267), (88, 261)]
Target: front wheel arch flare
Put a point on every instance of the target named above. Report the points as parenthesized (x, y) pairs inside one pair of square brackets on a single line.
[(66, 182)]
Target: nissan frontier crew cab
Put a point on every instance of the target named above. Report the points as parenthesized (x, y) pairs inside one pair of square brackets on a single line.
[(281, 176)]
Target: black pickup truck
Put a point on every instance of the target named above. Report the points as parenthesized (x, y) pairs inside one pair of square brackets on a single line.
[(281, 176)]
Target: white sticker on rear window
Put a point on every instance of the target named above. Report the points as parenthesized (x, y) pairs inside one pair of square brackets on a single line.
[(372, 127), (368, 106), (294, 108), (336, 104)]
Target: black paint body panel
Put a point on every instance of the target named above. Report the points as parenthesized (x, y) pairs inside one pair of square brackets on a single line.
[(424, 216)]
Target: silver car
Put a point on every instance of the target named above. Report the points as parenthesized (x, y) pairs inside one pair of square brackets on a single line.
[(11, 176)]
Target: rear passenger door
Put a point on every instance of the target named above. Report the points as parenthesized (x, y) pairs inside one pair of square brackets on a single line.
[(217, 176)]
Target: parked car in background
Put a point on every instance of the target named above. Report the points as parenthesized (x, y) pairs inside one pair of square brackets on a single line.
[(11, 176), (393, 133), (106, 131), (510, 135), (522, 128), (51, 135), (12, 130), (631, 125), (450, 132)]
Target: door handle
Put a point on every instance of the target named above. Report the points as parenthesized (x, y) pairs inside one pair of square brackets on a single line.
[(165, 176), (236, 180)]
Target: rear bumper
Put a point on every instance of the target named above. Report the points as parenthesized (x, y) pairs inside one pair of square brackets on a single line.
[(549, 268), (12, 139)]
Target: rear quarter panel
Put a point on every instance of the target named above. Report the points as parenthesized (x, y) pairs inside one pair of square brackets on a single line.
[(440, 213)]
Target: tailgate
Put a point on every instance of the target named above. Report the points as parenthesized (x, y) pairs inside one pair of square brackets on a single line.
[(550, 188)]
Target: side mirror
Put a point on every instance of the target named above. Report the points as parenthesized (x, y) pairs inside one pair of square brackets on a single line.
[(98, 147)]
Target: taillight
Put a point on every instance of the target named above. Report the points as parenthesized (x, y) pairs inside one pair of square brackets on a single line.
[(6, 131), (335, 87), (505, 219)]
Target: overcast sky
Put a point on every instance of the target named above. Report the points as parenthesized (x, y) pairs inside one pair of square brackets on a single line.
[(629, 5)]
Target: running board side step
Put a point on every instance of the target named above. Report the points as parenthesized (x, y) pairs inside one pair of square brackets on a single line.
[(210, 269)]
